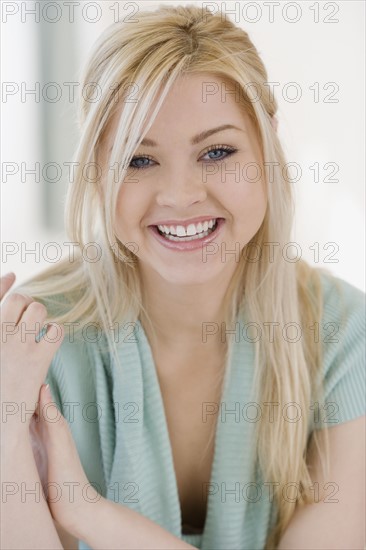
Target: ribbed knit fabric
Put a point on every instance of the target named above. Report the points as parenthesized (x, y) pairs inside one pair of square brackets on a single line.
[(119, 426)]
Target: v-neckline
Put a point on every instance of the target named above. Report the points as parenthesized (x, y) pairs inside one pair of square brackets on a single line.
[(217, 438)]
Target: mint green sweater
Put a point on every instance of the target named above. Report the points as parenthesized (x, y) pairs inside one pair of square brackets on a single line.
[(119, 426)]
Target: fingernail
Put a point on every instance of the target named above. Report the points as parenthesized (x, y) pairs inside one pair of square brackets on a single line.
[(10, 274), (48, 391)]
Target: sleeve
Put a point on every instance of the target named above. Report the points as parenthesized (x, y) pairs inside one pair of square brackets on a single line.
[(52, 380), (54, 375), (344, 355)]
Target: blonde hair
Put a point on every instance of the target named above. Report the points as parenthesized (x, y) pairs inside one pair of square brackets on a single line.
[(149, 57)]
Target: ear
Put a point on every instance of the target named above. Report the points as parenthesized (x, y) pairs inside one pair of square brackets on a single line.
[(274, 122)]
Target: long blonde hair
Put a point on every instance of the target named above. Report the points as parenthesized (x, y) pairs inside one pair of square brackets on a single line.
[(148, 58)]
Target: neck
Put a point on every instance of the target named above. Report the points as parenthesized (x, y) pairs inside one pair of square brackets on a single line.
[(186, 318)]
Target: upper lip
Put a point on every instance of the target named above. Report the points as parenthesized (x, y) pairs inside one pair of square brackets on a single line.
[(199, 219)]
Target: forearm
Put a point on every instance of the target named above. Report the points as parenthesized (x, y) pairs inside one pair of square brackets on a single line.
[(316, 526), (114, 526), (26, 522)]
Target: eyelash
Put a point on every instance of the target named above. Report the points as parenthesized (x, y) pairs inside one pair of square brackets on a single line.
[(226, 148)]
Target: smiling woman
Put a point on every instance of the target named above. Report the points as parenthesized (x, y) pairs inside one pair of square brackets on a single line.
[(186, 197), (188, 322)]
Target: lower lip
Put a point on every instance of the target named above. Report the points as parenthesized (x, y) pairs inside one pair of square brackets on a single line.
[(183, 246)]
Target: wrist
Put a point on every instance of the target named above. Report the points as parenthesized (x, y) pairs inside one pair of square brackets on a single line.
[(88, 515)]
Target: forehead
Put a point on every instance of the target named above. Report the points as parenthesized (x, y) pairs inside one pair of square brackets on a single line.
[(199, 101), (194, 103)]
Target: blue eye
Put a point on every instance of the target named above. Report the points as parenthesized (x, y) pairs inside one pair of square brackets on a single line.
[(139, 166), (228, 150), (223, 148)]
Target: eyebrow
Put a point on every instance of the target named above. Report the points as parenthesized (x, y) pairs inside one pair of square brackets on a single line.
[(199, 137)]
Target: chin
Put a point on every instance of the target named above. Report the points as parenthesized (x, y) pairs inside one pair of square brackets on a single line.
[(189, 276)]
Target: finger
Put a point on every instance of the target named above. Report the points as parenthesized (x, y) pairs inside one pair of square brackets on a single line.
[(51, 341), (14, 306), (45, 395), (5, 283), (33, 321), (35, 416)]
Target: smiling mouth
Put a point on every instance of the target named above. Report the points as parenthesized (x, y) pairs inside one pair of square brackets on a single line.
[(185, 238)]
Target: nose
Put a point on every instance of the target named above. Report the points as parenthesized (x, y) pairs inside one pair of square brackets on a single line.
[(180, 191)]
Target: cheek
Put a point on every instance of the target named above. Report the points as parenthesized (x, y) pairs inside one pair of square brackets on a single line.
[(241, 177), (126, 194), (252, 196), (124, 207), (250, 210), (131, 206), (245, 199)]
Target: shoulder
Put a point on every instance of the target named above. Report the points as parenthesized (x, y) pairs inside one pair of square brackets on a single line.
[(342, 335), (341, 298), (343, 318)]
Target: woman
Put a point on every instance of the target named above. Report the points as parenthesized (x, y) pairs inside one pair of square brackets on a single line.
[(215, 363)]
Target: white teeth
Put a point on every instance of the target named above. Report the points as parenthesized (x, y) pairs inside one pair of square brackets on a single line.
[(192, 231), (181, 232)]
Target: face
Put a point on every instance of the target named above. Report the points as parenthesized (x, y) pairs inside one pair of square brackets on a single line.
[(192, 196)]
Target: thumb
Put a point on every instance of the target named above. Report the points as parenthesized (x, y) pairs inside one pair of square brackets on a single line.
[(5, 283), (51, 417), (63, 458), (46, 400), (58, 437)]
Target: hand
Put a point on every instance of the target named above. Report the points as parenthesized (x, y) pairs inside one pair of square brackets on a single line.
[(71, 498), (24, 362)]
